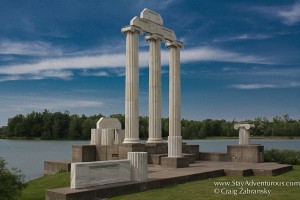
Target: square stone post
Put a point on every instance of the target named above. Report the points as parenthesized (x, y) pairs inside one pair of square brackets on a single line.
[(155, 89), (132, 85), (175, 138)]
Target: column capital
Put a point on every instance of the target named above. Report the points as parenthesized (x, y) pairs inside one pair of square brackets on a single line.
[(131, 29), (243, 126), (149, 37), (176, 43)]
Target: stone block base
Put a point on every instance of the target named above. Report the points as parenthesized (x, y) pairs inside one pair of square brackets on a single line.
[(125, 148), (213, 156), (156, 158), (191, 149), (175, 162), (83, 153), (190, 157), (56, 166), (245, 153)]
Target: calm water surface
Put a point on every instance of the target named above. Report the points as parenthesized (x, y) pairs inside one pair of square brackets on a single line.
[(29, 156)]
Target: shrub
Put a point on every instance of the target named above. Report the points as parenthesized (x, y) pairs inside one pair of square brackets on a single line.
[(284, 156), (11, 182)]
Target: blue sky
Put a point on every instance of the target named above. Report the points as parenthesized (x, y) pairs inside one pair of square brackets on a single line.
[(241, 58)]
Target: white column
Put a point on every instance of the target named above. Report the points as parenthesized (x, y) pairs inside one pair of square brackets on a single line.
[(154, 89), (132, 85), (244, 133), (174, 149), (139, 165)]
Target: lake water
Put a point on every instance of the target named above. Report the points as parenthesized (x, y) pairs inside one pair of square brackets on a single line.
[(29, 156)]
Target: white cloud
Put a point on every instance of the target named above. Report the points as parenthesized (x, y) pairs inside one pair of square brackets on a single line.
[(264, 86), (61, 67), (28, 48), (32, 102), (243, 37), (291, 15)]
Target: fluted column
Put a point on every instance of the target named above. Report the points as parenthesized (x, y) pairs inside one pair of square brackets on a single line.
[(154, 89), (139, 165), (174, 139), (244, 133), (132, 85)]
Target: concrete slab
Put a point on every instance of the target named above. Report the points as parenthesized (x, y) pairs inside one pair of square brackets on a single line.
[(159, 176)]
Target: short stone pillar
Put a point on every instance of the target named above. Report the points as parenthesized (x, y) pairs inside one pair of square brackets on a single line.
[(107, 137), (95, 136), (244, 133), (139, 165), (119, 136)]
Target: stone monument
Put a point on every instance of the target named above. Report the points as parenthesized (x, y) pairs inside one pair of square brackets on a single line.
[(244, 151)]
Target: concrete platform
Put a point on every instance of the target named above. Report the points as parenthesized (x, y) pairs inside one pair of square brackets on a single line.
[(159, 177)]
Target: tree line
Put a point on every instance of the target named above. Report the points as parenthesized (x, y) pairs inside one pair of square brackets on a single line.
[(62, 125)]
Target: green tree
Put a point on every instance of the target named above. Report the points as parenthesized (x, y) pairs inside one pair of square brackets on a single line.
[(12, 182)]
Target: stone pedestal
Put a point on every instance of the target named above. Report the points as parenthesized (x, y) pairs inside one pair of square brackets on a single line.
[(132, 85), (245, 153), (139, 165), (96, 137), (125, 148), (172, 162), (107, 137)]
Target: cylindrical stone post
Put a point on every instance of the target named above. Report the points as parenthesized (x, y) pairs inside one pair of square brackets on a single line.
[(174, 100), (154, 89), (139, 165), (132, 85), (107, 137)]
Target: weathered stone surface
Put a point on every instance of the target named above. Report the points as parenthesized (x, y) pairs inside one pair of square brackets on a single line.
[(174, 162), (56, 166), (90, 174), (213, 156), (107, 137), (139, 165), (108, 123), (175, 146), (83, 153), (244, 133), (96, 136), (245, 153), (119, 136), (151, 16), (125, 148)]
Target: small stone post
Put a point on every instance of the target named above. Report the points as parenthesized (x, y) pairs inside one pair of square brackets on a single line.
[(139, 165), (244, 133)]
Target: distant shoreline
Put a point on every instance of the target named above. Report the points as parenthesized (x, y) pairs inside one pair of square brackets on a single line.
[(207, 138)]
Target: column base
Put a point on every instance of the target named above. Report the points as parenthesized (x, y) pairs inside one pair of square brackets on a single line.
[(155, 140), (131, 141), (174, 162)]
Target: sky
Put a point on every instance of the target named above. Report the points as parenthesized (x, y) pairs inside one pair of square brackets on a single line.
[(241, 59)]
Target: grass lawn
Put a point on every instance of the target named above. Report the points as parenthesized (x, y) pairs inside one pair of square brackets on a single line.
[(203, 189), (35, 189)]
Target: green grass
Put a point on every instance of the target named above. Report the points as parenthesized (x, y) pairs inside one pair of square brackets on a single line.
[(203, 189), (35, 189)]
